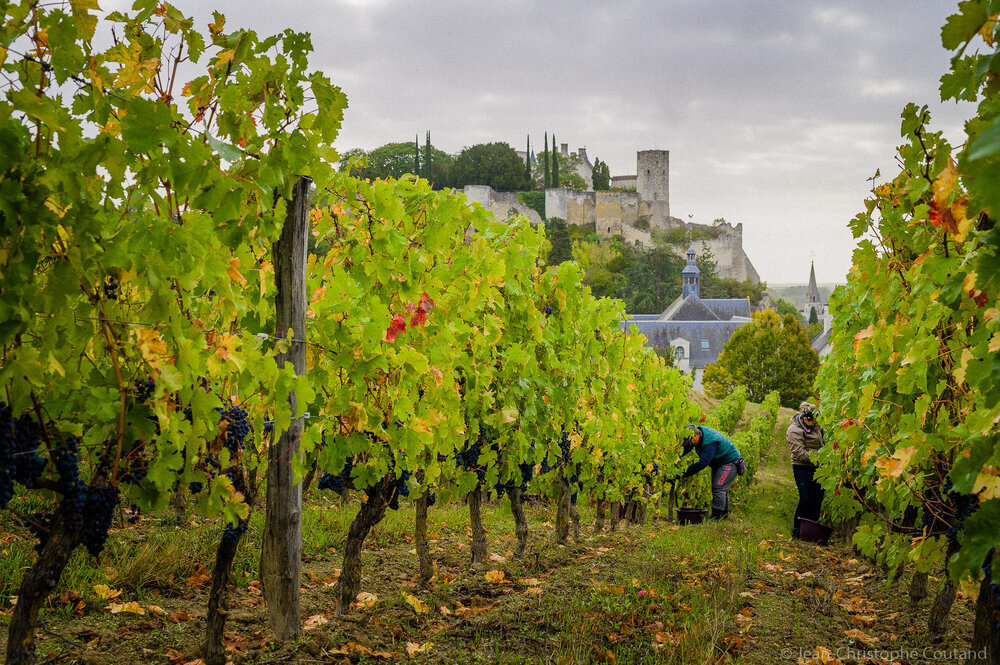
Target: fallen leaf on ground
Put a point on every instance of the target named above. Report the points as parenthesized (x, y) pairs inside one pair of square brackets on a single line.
[(534, 591), (364, 599), (860, 636), (414, 602), (497, 558), (105, 592), (494, 576), (315, 621), (413, 647), (130, 608), (156, 610), (201, 577)]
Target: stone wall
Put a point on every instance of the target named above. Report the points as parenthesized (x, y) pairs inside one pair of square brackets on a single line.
[(501, 204), (623, 181), (727, 251)]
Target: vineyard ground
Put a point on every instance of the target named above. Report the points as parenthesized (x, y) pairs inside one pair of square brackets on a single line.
[(737, 591)]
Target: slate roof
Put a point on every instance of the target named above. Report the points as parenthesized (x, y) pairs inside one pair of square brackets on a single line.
[(715, 333), (727, 308), (691, 308)]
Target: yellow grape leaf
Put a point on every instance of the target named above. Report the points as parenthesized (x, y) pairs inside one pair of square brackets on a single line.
[(945, 184), (234, 271), (509, 414), (958, 210), (150, 344), (419, 425), (413, 647), (315, 621), (266, 269), (988, 482), (414, 602), (894, 466), (130, 607), (494, 576), (575, 440), (995, 343), (225, 57), (105, 592)]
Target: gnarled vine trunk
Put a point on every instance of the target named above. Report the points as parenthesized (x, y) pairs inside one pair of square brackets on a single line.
[(918, 587), (562, 512), (985, 634), (520, 523), (36, 586), (479, 544), (574, 516), (213, 650), (420, 537), (599, 519), (937, 621), (371, 513), (616, 516)]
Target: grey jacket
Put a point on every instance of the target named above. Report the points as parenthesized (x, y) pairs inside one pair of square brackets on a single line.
[(802, 440)]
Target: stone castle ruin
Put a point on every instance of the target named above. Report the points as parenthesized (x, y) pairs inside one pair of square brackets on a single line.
[(633, 215)]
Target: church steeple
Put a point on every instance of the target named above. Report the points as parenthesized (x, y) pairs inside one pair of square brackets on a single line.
[(812, 293), (690, 276)]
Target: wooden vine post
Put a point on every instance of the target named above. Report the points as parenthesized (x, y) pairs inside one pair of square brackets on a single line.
[(281, 550)]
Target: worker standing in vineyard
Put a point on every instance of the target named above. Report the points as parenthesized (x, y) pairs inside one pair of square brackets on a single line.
[(716, 451), (805, 438)]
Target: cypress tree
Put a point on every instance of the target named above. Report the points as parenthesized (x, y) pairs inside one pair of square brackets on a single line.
[(416, 155), (427, 156), (545, 163), (555, 163), (527, 164)]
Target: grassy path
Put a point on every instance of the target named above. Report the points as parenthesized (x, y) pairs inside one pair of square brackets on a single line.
[(735, 591)]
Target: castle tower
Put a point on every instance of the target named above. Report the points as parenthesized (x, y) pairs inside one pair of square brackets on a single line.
[(653, 175), (690, 277)]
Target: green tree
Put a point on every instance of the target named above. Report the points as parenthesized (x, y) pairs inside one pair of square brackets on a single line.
[(428, 161), (394, 160), (546, 179), (416, 154), (813, 317), (769, 353), (555, 163), (560, 243), (601, 176), (783, 307), (602, 264), (493, 164), (527, 163)]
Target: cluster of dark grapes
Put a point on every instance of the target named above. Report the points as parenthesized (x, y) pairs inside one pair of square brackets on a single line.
[(336, 482), (100, 511), (144, 389), (74, 501), (548, 311), (232, 533), (137, 470), (111, 287), (400, 488), (237, 428), (468, 458), (962, 505), (19, 459)]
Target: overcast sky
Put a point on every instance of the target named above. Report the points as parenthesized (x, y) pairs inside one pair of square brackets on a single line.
[(775, 113)]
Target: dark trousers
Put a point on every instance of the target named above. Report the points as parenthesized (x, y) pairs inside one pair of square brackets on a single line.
[(722, 480), (810, 495)]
